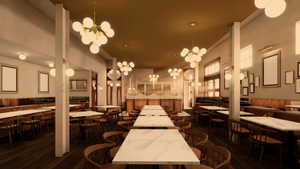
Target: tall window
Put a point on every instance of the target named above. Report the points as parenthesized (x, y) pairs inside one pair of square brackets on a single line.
[(297, 38), (212, 79), (246, 56)]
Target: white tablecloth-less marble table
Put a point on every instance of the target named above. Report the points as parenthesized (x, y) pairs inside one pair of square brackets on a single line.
[(54, 107), (154, 107), (153, 112), (275, 123), (21, 113), (155, 147), (286, 126), (85, 114), (242, 113), (213, 108), (108, 107), (153, 121)]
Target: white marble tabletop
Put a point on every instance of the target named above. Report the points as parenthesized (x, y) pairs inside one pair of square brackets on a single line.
[(155, 107), (153, 121), (213, 108), (108, 106), (54, 107), (293, 106), (157, 146), (183, 114), (153, 112), (85, 114), (275, 123), (242, 113), (21, 113)]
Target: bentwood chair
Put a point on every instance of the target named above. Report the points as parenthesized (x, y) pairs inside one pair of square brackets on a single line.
[(237, 130), (114, 137), (97, 157), (9, 129), (197, 138), (213, 157), (29, 124), (261, 138)]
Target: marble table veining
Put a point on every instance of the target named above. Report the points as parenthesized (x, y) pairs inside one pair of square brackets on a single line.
[(213, 108), (275, 123), (21, 113), (153, 112), (153, 121), (155, 147), (85, 114), (242, 113)]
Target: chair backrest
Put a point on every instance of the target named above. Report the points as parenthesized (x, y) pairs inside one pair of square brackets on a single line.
[(198, 139), (125, 124), (197, 152), (115, 137), (216, 156), (92, 154)]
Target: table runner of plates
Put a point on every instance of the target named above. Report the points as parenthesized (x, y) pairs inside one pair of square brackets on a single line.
[(152, 145)]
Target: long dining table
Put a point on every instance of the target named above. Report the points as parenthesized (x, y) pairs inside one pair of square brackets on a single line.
[(21, 113), (284, 126), (153, 145)]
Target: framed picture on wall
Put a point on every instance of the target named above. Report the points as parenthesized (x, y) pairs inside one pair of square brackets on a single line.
[(252, 88), (256, 81), (9, 79), (271, 71), (251, 78), (43, 82), (245, 91), (298, 69), (289, 77), (78, 84), (298, 86)]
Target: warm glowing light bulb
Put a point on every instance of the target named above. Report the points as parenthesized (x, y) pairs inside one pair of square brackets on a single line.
[(88, 22), (52, 72), (22, 57), (261, 3), (70, 72), (51, 64), (275, 8), (94, 48), (77, 26)]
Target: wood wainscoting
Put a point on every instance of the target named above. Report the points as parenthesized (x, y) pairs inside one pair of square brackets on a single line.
[(167, 104)]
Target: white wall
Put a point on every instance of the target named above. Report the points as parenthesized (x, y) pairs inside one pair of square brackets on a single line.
[(26, 26), (260, 32)]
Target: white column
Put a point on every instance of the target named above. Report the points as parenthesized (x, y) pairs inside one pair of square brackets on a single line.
[(123, 88), (235, 81), (196, 82), (114, 88), (62, 140)]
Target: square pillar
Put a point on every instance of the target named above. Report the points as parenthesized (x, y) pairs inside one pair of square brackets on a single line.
[(62, 140), (235, 91)]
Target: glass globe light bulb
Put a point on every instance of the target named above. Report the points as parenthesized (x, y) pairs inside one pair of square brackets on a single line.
[(131, 64), (203, 51), (88, 22), (70, 72), (94, 48), (77, 26), (196, 49), (275, 8), (261, 3), (110, 33), (85, 40), (22, 57), (52, 72), (105, 26)]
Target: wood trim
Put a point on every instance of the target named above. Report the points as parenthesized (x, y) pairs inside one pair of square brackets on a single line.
[(298, 69), (17, 77)]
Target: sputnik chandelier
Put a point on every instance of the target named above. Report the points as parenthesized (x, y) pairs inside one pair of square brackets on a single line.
[(273, 8), (193, 56), (174, 72), (125, 67), (93, 34)]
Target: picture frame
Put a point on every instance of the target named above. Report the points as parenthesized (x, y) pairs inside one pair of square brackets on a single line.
[(43, 82), (245, 82), (289, 77), (252, 88), (245, 91), (271, 70), (78, 85), (297, 86), (257, 81), (251, 78), (298, 69), (9, 79)]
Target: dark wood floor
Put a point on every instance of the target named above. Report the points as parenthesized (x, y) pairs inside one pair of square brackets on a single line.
[(38, 153)]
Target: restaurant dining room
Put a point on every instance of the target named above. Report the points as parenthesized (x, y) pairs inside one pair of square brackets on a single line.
[(136, 84)]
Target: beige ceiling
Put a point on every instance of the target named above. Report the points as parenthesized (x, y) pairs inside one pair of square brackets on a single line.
[(152, 33)]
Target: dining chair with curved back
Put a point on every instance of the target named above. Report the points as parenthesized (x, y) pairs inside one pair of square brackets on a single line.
[(237, 129), (97, 157), (197, 138), (115, 137)]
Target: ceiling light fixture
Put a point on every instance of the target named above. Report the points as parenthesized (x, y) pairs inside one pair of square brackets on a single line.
[(193, 56), (174, 72), (68, 72), (22, 57), (51, 64), (192, 24), (153, 79), (273, 8), (126, 67), (93, 34)]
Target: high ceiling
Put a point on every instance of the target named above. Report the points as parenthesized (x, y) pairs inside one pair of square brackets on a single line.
[(152, 33)]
